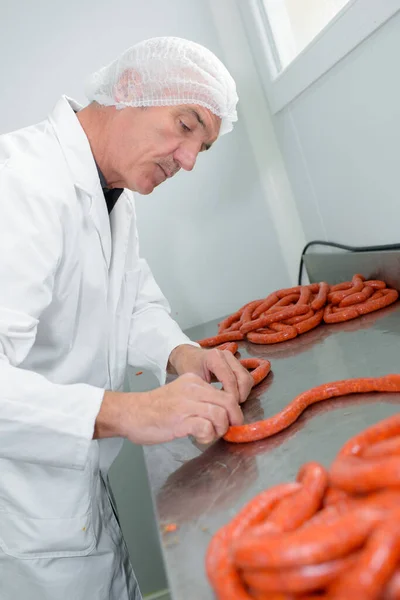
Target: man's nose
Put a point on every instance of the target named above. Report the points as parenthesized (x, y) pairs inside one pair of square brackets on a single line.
[(186, 156)]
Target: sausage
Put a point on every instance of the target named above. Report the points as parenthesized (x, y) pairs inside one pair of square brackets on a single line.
[(343, 314), (310, 322), (384, 430), (276, 332), (285, 313), (316, 543), (265, 305), (294, 510), (220, 568), (375, 566), (230, 336), (334, 496), (357, 297), (298, 580), (282, 315), (387, 297), (229, 346), (229, 321), (261, 368), (392, 589), (247, 314), (321, 298), (387, 447), (376, 284), (285, 418), (357, 284), (299, 318), (357, 475), (306, 546), (312, 540)]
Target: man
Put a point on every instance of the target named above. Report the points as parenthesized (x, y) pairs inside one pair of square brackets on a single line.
[(77, 304)]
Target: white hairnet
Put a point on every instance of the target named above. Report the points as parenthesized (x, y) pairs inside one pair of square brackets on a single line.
[(167, 71)]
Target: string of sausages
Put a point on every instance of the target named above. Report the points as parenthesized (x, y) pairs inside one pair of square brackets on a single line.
[(332, 534), (290, 312)]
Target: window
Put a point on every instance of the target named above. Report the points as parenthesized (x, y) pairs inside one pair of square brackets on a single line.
[(295, 42), (293, 24)]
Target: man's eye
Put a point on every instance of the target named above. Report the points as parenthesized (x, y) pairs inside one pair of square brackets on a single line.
[(185, 127)]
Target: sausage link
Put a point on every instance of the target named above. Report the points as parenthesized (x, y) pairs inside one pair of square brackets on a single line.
[(265, 305), (384, 448), (345, 285), (334, 496), (377, 284), (321, 298), (298, 580), (384, 430), (305, 295), (357, 284), (343, 314), (286, 291), (375, 566), (306, 546), (286, 301), (261, 368), (299, 318), (220, 568), (357, 475), (230, 336), (392, 589), (229, 346), (234, 327), (247, 314), (357, 297), (294, 510), (285, 313), (388, 297), (277, 332), (262, 429), (229, 321), (309, 323), (385, 499)]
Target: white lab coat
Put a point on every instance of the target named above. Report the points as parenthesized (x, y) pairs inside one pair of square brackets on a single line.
[(76, 305)]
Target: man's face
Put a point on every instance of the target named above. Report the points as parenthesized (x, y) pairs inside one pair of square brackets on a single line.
[(149, 145)]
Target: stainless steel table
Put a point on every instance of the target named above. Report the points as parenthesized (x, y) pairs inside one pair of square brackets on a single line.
[(200, 489)]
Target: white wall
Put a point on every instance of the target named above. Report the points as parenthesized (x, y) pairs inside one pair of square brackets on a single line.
[(208, 235), (340, 143)]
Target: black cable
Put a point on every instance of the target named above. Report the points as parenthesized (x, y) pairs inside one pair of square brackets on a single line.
[(342, 247)]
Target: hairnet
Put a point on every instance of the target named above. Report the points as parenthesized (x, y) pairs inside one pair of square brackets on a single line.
[(167, 71)]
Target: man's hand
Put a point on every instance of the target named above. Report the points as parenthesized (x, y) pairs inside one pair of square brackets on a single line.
[(213, 365), (187, 406)]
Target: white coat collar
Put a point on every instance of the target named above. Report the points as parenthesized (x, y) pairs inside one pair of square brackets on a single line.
[(78, 154)]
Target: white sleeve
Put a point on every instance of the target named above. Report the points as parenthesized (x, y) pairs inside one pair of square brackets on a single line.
[(40, 421), (153, 332)]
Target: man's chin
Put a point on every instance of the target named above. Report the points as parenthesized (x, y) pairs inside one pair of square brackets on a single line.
[(147, 183), (145, 187)]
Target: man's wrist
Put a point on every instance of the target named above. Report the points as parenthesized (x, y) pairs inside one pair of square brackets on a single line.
[(111, 419), (179, 357)]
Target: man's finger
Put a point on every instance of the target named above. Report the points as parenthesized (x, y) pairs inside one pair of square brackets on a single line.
[(202, 430), (244, 379), (217, 363), (220, 398)]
